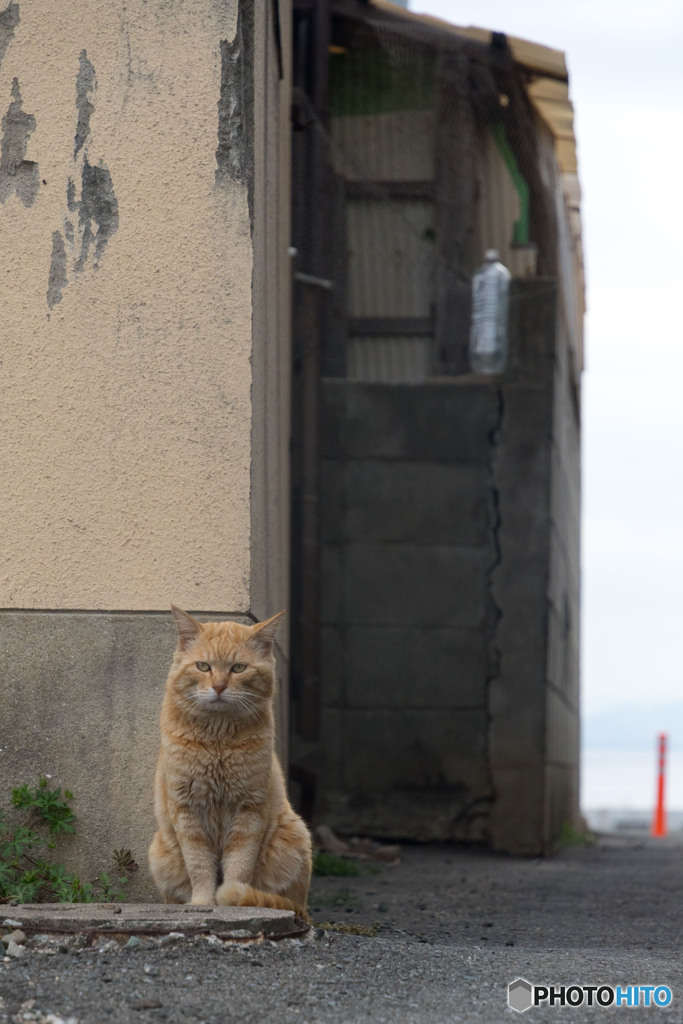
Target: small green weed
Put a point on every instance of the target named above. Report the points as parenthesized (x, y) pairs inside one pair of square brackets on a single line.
[(47, 804), (124, 861), (326, 863), (573, 836), (27, 873)]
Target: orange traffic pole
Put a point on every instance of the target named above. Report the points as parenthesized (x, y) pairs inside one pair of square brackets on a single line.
[(659, 819)]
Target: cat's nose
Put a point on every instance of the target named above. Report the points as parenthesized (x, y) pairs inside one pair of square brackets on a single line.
[(219, 686)]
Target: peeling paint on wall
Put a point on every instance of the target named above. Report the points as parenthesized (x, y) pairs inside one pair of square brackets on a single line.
[(235, 152), (97, 206), (85, 83), (9, 19), (98, 219), (17, 174), (98, 212), (71, 203), (57, 279)]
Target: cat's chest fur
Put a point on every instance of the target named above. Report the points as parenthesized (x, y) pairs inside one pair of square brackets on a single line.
[(215, 781)]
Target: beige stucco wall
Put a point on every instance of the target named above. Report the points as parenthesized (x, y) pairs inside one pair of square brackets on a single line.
[(125, 408)]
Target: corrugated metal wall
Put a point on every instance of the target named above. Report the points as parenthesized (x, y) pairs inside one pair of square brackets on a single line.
[(389, 360), (393, 146), (391, 240), (386, 119), (391, 259)]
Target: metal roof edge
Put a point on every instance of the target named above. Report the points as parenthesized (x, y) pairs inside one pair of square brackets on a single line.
[(548, 90), (535, 57)]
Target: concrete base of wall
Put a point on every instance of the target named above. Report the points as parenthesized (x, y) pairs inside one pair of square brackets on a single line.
[(82, 693), (415, 815)]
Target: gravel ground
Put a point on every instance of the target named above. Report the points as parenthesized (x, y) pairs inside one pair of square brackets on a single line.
[(621, 893), (456, 927)]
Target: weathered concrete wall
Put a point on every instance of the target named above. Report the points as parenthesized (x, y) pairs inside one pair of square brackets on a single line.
[(407, 545), (439, 564), (563, 694), (521, 475), (81, 694), (145, 331)]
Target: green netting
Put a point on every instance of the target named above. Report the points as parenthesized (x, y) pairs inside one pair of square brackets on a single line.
[(373, 81)]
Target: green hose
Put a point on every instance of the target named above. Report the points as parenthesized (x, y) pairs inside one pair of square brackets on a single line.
[(520, 230)]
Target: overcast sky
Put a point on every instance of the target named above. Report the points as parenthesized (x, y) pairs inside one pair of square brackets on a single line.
[(626, 81)]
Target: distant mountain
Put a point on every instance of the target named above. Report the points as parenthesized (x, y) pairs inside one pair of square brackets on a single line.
[(633, 727)]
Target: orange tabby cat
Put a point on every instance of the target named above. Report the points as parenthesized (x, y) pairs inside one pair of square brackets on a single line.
[(227, 833)]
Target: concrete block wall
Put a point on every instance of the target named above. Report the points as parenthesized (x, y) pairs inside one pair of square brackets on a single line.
[(446, 533), (407, 544), (520, 581), (563, 695)]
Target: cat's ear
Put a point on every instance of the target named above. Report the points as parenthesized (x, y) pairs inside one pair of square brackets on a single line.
[(188, 628), (263, 633)]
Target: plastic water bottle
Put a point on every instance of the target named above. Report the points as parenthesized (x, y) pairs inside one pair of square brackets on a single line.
[(489, 326)]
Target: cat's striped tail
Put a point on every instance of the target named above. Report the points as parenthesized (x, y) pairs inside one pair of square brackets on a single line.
[(238, 894)]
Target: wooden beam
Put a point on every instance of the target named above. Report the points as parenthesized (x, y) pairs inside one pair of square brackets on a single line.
[(391, 326), (277, 30), (390, 190), (320, 57), (307, 324)]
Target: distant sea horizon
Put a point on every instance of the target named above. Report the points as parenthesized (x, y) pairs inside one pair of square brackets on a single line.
[(631, 727), (627, 780), (619, 757)]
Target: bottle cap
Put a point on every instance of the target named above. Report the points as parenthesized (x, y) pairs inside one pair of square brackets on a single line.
[(491, 255)]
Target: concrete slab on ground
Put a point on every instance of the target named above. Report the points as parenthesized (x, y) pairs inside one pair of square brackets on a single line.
[(152, 919)]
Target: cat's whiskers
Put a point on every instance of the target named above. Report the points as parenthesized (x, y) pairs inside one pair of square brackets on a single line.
[(194, 696), (204, 700), (249, 703)]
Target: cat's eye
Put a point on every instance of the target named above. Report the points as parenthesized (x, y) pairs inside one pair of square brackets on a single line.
[(238, 667), (203, 666)]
